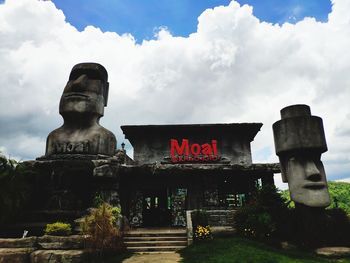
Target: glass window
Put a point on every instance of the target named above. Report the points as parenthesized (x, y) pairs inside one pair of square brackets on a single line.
[(148, 203), (155, 202)]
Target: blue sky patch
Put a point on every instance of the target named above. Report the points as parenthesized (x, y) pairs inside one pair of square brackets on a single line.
[(141, 18)]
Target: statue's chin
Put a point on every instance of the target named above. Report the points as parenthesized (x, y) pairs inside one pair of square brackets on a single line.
[(312, 198)]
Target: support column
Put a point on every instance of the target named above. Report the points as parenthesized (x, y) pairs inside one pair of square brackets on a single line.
[(267, 179)]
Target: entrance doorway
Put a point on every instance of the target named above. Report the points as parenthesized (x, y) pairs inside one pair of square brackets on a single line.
[(156, 208)]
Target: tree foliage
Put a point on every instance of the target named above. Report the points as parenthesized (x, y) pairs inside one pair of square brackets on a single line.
[(264, 216), (340, 195), (15, 187)]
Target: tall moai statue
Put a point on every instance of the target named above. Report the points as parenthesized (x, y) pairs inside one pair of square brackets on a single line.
[(81, 151), (81, 106), (299, 142)]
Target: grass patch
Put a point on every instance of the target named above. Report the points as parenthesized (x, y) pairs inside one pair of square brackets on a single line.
[(238, 250)]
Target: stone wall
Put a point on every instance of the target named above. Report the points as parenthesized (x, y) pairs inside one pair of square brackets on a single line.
[(221, 217), (55, 249)]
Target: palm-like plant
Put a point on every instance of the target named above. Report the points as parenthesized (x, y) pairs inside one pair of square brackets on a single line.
[(7, 166), (14, 189)]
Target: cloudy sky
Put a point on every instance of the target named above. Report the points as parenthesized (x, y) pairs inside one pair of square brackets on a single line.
[(178, 62)]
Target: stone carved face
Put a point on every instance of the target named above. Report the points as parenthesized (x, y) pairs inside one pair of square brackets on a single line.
[(84, 93), (306, 179)]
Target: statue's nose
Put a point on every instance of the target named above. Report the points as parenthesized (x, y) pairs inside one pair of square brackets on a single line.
[(80, 83), (312, 172)]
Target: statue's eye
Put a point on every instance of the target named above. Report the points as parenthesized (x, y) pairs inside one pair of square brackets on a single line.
[(93, 76), (89, 75)]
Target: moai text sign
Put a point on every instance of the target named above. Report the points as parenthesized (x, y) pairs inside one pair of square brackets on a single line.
[(193, 152)]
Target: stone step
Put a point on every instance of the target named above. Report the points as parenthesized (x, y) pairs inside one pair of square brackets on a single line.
[(156, 238), (144, 240), (334, 252), (28, 242), (61, 242), (154, 252), (12, 255), (130, 244), (72, 255), (155, 248), (155, 234)]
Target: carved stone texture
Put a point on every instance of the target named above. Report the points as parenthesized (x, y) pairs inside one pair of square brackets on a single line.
[(299, 143), (61, 242), (27, 242), (67, 256), (81, 106), (15, 255)]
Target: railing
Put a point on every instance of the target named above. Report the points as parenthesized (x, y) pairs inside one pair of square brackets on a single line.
[(189, 228)]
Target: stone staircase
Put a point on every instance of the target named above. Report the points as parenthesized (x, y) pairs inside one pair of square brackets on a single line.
[(155, 240)]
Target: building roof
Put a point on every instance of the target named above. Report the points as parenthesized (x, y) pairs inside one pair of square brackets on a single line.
[(247, 130), (215, 169)]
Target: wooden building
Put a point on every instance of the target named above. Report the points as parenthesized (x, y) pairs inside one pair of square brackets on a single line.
[(185, 167)]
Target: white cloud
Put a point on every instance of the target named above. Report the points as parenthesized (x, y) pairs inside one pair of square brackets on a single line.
[(233, 69), (345, 180), (279, 183)]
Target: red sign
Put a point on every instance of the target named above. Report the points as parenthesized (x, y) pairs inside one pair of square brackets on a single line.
[(194, 152)]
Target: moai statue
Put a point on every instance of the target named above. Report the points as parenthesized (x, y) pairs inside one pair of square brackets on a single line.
[(299, 142), (81, 106)]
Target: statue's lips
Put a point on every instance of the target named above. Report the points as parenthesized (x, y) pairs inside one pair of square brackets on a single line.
[(76, 95), (315, 186)]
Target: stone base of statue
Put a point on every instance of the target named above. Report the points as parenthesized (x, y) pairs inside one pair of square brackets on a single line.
[(63, 190), (73, 182), (319, 227)]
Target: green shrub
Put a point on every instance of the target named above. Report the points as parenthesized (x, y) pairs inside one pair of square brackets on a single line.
[(264, 216), (98, 200), (116, 213), (16, 187), (58, 229), (255, 222), (101, 227)]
